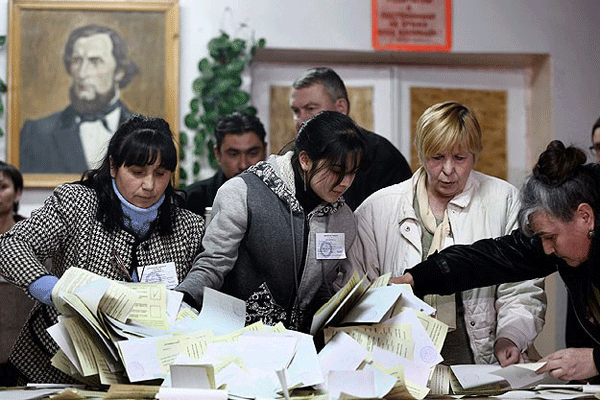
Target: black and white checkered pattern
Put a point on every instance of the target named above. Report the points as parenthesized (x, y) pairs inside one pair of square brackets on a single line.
[(66, 230)]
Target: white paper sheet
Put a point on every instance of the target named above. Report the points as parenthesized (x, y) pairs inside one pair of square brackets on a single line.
[(341, 353), (190, 394), (521, 376), (221, 313), (373, 305), (425, 351)]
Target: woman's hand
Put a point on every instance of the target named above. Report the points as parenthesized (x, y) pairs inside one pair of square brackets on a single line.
[(406, 278), (507, 352), (570, 364)]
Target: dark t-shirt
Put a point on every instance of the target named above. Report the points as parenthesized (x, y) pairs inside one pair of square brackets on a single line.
[(202, 194)]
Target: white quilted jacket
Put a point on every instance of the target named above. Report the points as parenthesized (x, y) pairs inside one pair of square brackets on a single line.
[(389, 240)]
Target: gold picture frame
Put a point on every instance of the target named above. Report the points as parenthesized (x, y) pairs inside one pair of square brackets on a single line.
[(39, 81)]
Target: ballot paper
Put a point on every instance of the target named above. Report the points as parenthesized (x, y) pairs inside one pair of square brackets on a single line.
[(368, 383), (373, 305), (304, 369), (358, 302), (189, 374), (410, 300), (521, 376), (95, 291), (149, 357), (27, 393), (342, 353), (401, 339), (190, 394), (558, 391), (221, 313), (518, 376), (376, 346), (150, 308), (403, 335), (345, 297)]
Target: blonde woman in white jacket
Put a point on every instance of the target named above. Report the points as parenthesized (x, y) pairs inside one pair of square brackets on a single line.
[(444, 203)]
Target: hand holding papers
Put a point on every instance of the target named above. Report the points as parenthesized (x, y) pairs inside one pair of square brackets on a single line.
[(146, 344), (378, 335), (117, 331)]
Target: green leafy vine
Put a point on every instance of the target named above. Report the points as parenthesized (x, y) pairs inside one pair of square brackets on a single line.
[(217, 92)]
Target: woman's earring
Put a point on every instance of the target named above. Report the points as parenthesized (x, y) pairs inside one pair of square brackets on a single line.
[(304, 179), (591, 234)]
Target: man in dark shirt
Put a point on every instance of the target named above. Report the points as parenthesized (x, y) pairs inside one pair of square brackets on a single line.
[(240, 144), (319, 89)]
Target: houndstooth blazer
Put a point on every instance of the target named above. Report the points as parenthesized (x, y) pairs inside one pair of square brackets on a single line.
[(66, 230)]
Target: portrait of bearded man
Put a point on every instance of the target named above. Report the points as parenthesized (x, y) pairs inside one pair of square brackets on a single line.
[(72, 140)]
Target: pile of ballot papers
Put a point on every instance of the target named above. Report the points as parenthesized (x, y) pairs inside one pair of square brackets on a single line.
[(380, 341)]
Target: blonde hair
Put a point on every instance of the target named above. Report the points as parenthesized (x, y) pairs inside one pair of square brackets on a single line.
[(445, 126)]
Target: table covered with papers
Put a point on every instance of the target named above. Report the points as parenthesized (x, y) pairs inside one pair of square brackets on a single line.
[(381, 341)]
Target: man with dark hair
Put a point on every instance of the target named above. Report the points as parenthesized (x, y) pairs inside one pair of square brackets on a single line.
[(240, 144), (73, 140), (319, 89)]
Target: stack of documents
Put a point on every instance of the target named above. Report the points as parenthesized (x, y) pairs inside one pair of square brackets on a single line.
[(381, 341), (117, 333), (489, 379)]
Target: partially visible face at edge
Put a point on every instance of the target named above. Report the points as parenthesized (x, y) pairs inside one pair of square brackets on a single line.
[(8, 195), (596, 143)]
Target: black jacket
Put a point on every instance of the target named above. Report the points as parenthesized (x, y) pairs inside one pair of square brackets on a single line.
[(51, 145), (202, 194), (511, 258), (387, 167)]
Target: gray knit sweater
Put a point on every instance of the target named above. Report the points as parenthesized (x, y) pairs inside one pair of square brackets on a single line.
[(254, 244)]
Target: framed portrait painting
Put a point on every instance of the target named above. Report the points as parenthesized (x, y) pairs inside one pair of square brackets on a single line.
[(77, 69)]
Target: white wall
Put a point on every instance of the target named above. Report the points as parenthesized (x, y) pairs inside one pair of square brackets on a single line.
[(566, 30)]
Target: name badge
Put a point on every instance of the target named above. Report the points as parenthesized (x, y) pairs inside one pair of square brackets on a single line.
[(331, 246), (159, 273)]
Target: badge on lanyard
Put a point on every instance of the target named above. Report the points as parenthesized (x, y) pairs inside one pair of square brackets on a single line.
[(159, 273), (331, 246)]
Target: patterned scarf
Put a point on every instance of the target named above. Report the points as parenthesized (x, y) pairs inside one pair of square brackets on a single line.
[(445, 305), (138, 219)]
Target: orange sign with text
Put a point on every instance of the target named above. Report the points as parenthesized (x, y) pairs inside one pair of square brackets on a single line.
[(412, 25)]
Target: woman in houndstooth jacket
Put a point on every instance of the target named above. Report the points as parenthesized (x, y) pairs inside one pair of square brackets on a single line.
[(125, 209)]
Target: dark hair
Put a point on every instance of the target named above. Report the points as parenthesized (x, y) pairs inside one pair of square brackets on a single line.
[(560, 182), (16, 177), (238, 124), (596, 126), (138, 141), (331, 81), (333, 137), (119, 51)]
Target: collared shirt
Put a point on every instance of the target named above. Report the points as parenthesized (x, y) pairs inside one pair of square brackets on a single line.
[(95, 137)]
